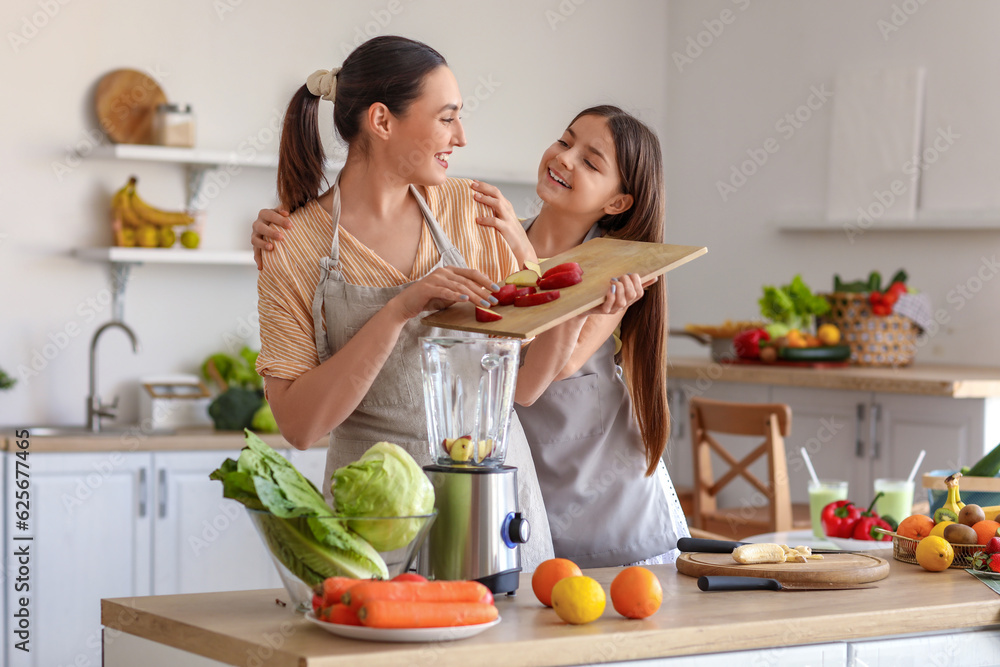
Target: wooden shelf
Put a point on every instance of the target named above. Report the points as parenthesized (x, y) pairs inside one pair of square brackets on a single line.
[(926, 221), (117, 255)]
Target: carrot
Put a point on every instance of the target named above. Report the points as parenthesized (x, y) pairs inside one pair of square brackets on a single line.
[(331, 590), (338, 613), (407, 614), (411, 591)]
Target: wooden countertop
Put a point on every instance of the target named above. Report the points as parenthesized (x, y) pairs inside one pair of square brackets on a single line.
[(949, 380), (198, 439), (230, 626)]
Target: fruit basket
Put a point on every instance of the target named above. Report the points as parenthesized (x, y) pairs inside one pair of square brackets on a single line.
[(875, 340), (905, 549)]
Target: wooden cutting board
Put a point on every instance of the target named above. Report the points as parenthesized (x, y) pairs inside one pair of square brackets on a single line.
[(834, 568), (601, 259), (126, 101)]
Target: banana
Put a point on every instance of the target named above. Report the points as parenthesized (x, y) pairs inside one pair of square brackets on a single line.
[(155, 216), (953, 504), (121, 205)]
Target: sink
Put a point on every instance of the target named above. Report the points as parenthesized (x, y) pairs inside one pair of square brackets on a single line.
[(83, 431)]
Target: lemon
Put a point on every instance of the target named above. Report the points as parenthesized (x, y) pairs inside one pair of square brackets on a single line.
[(938, 529), (167, 237), (829, 334), (147, 237), (934, 553), (190, 239), (578, 600)]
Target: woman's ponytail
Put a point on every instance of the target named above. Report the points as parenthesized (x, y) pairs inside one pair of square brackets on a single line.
[(300, 156)]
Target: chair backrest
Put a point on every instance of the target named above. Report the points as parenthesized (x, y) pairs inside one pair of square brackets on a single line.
[(771, 421)]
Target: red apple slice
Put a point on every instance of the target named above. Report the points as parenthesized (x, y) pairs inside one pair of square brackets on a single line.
[(523, 278), (524, 290), (505, 295), (561, 279), (559, 268), (536, 299), (487, 315)]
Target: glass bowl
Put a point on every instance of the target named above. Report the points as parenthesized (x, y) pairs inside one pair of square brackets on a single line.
[(397, 540)]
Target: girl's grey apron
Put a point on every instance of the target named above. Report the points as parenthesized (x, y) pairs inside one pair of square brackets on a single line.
[(393, 408), (588, 452)]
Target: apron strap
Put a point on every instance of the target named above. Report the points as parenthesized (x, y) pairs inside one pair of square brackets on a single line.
[(450, 256)]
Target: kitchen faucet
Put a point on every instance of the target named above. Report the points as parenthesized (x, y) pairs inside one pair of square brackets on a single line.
[(95, 408)]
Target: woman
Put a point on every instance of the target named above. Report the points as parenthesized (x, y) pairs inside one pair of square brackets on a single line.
[(340, 301)]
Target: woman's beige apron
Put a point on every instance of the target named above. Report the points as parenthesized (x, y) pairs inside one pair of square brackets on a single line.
[(393, 408)]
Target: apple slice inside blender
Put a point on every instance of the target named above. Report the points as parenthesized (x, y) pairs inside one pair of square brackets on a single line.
[(460, 449)]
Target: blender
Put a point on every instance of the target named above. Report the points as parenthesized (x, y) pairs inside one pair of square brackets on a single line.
[(469, 397)]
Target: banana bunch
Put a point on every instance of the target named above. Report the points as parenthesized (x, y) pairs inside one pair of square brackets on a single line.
[(137, 223)]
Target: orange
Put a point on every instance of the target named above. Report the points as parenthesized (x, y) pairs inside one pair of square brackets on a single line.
[(578, 600), (636, 593), (829, 334), (916, 526), (938, 529), (985, 530), (934, 553), (548, 574)]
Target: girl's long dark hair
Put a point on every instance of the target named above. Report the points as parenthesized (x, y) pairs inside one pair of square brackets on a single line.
[(643, 329), (386, 69)]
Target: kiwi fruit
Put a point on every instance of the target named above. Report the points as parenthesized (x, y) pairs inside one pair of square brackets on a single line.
[(958, 533), (971, 514)]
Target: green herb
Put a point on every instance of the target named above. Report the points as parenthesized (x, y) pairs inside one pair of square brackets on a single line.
[(6, 381), (299, 527), (793, 305)]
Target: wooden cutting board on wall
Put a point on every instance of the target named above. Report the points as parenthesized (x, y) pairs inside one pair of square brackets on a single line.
[(601, 259), (126, 101), (833, 569)]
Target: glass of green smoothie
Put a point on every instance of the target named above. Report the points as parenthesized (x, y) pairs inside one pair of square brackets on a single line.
[(822, 494), (896, 500)]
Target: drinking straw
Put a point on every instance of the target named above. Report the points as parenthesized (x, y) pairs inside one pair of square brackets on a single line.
[(809, 464), (920, 459)]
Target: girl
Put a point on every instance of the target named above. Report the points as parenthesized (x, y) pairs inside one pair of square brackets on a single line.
[(597, 433)]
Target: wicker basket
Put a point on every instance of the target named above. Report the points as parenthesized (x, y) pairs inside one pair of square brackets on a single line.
[(905, 549), (875, 340)]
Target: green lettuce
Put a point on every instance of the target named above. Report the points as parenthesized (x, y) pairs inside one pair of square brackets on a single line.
[(299, 527), (384, 482), (793, 305)]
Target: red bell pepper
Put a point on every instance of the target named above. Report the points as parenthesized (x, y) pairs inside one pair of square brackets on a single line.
[(839, 517), (747, 343), (864, 529)]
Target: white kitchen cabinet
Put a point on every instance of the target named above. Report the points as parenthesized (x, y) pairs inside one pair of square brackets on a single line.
[(91, 521), (114, 524), (203, 542)]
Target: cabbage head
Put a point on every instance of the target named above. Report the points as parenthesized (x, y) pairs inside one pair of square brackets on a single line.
[(384, 482)]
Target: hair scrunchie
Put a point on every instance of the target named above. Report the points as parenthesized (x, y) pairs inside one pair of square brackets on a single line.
[(323, 83)]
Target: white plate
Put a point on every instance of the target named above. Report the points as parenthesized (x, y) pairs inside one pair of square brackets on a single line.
[(402, 634), (859, 545)]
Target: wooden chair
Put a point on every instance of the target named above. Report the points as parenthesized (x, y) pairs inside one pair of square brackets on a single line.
[(772, 421)]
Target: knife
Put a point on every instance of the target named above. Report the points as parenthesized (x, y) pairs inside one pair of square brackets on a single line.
[(726, 547), (722, 583)]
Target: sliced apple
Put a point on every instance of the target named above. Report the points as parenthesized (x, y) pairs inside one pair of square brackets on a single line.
[(487, 315), (533, 266), (485, 449), (505, 295), (461, 449), (536, 299), (525, 278), (559, 268)]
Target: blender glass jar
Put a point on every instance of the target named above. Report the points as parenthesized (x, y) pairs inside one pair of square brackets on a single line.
[(469, 396)]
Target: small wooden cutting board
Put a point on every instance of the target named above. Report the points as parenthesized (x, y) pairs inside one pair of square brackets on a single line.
[(834, 568), (601, 259)]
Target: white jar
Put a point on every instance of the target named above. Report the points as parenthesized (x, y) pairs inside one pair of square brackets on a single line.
[(174, 125)]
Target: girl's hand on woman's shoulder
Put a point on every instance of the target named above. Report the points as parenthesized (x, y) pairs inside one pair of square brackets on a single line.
[(267, 231), (504, 220), (443, 287)]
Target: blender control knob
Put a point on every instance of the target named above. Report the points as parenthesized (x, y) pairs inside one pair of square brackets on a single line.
[(518, 529)]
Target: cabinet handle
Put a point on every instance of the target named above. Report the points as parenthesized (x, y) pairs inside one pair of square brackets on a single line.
[(874, 426), (162, 492), (859, 443), (143, 492)]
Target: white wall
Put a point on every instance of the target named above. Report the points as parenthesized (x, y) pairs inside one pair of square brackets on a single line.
[(762, 66), (545, 61)]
